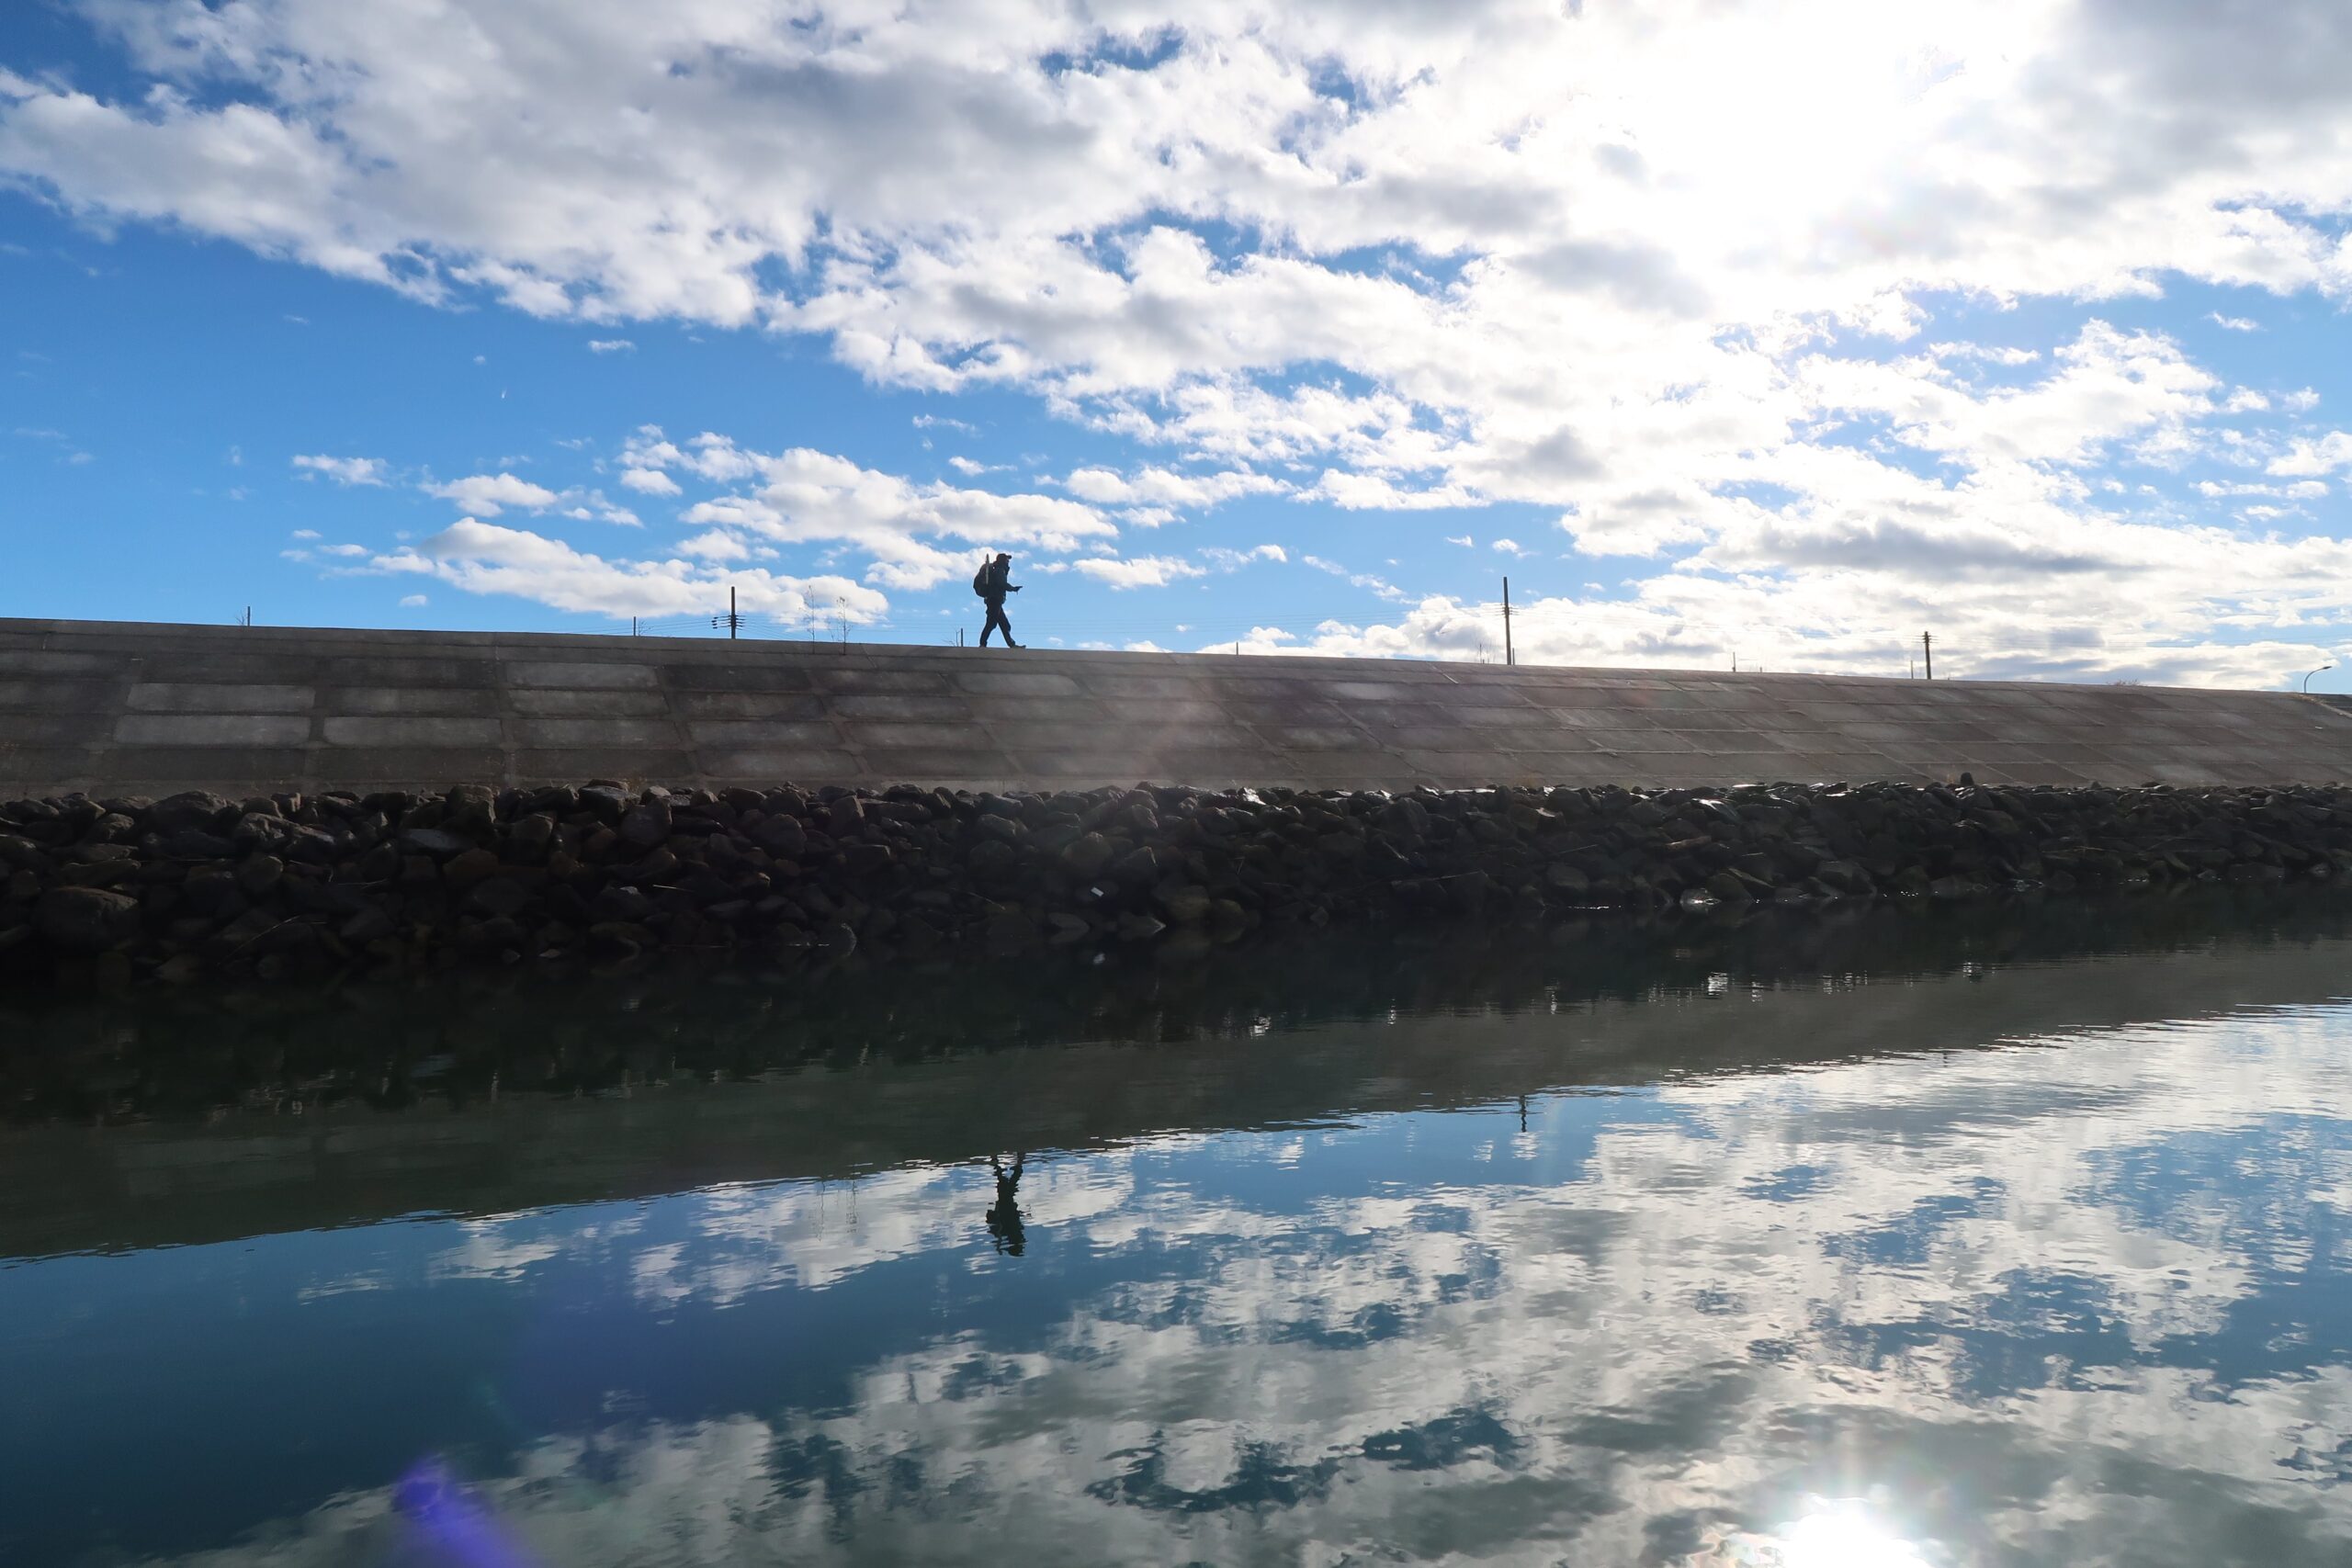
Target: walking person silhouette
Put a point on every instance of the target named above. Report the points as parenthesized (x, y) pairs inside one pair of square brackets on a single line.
[(1005, 1230), (989, 583)]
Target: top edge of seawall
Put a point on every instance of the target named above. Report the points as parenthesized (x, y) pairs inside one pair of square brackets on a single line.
[(130, 634)]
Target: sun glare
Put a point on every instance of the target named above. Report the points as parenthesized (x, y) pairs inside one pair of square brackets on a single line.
[(1842, 1535)]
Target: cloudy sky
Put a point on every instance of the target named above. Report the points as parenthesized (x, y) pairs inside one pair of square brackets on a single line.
[(1772, 334)]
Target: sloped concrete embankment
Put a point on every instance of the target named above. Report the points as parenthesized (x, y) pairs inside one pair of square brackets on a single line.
[(107, 891), (145, 710)]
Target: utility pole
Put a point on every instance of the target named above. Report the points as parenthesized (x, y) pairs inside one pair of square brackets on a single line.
[(1509, 655), (731, 620), (1927, 652)]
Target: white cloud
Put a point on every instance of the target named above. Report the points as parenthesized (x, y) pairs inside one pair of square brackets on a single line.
[(649, 482), (1509, 546), (345, 550), (489, 495), (1165, 487), (610, 345), (1141, 572), (919, 535), (413, 600), (1234, 561), (345, 470), (306, 533), (483, 558), (2324, 456), (2234, 323), (972, 467)]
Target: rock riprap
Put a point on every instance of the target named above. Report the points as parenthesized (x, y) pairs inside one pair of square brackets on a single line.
[(116, 889)]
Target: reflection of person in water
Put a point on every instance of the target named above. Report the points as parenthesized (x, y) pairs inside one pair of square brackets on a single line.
[(1004, 1219)]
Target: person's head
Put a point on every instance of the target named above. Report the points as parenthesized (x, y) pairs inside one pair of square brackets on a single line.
[(1003, 556)]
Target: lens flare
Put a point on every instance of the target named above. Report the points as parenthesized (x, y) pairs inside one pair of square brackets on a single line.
[(1842, 1535)]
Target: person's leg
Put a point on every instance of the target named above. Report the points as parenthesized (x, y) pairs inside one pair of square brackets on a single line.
[(995, 620)]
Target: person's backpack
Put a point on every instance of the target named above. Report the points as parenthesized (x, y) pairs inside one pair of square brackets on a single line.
[(980, 580)]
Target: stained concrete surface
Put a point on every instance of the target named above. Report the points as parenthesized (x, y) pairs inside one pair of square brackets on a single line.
[(126, 708)]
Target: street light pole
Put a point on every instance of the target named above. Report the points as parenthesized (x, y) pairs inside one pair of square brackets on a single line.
[(2321, 671)]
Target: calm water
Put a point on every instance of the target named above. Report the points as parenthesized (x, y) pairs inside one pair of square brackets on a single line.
[(2009, 1237)]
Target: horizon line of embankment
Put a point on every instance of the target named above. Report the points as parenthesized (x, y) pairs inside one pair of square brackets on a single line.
[(119, 710)]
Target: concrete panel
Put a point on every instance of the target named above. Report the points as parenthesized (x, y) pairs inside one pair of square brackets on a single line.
[(1144, 688), (542, 732), (392, 669), (756, 765), (549, 701), (201, 697), (748, 677), (900, 706), (925, 764), (845, 678), (406, 767), (1389, 739), (740, 733), (1313, 737), (206, 767), (412, 732), (212, 730), (163, 662), (749, 704), (642, 764), (1631, 741), (588, 676), (1061, 710), (1080, 770), (43, 662), (905, 736), (777, 765), (51, 728), (52, 770), (408, 700), (1019, 683)]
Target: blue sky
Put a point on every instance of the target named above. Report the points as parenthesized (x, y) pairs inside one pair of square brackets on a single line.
[(1780, 338)]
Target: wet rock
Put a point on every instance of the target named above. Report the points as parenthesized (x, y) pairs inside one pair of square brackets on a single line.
[(621, 904), (867, 860), (499, 896), (643, 827), (85, 919), (1565, 878), (1183, 903), (782, 836), (258, 876), (470, 866), (193, 809), (433, 841), (367, 925)]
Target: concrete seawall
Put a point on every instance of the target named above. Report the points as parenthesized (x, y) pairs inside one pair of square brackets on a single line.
[(125, 709)]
